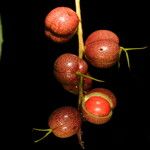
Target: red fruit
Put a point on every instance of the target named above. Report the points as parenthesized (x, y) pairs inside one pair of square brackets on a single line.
[(98, 98), (112, 98), (61, 24), (65, 121), (103, 53), (98, 106), (101, 35), (66, 66)]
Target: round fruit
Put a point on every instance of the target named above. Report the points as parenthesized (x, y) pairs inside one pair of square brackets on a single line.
[(101, 35), (61, 24), (65, 121), (112, 98), (97, 105), (103, 53), (66, 66)]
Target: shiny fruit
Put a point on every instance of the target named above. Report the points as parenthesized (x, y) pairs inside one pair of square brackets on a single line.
[(61, 24), (66, 66), (103, 53), (98, 105), (109, 93), (65, 121)]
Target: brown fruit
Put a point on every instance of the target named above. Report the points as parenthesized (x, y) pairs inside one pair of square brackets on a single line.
[(103, 53), (65, 121), (101, 35), (66, 66), (61, 24), (102, 93)]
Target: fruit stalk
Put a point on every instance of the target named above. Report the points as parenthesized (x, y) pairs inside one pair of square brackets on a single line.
[(81, 50)]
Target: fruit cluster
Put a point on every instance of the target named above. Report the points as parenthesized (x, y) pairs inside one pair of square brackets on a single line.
[(101, 50)]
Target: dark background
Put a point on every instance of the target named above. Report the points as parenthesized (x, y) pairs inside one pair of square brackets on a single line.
[(31, 92)]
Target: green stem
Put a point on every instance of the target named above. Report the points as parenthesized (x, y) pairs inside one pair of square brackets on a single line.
[(127, 55), (47, 130), (87, 76), (80, 51), (80, 31), (128, 60), (128, 49), (40, 129)]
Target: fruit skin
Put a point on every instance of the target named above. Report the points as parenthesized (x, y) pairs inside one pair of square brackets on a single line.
[(98, 106), (87, 85), (61, 24), (56, 38), (66, 66), (101, 35), (104, 93), (103, 53), (65, 121)]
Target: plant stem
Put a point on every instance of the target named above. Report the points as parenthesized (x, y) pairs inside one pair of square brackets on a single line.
[(81, 50), (47, 130), (80, 31), (89, 77)]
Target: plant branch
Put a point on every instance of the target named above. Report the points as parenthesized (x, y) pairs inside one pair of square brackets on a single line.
[(80, 51)]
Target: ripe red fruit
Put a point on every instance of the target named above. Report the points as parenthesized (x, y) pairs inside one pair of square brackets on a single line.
[(112, 98), (66, 66), (98, 106), (101, 35), (61, 24), (65, 121), (103, 53), (96, 99)]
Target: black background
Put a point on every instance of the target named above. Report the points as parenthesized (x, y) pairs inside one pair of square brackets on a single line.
[(31, 91)]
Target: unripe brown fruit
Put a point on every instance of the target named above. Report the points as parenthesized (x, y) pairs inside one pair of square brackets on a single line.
[(103, 53), (101, 35), (65, 121), (98, 105), (66, 66), (61, 24)]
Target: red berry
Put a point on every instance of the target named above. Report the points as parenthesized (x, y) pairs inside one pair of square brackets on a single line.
[(94, 100), (66, 66), (61, 24), (108, 93), (103, 53), (65, 121), (98, 106)]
